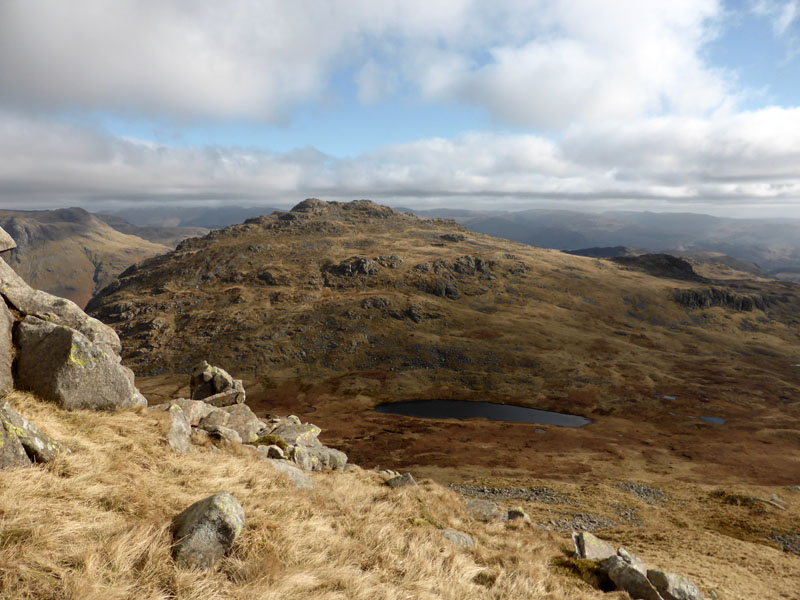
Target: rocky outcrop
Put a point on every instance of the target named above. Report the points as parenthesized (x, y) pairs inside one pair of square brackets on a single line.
[(660, 265), (709, 297), (62, 365), (215, 386), (631, 574), (354, 266), (206, 530)]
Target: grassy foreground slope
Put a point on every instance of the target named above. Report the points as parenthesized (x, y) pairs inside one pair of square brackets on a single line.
[(94, 525)]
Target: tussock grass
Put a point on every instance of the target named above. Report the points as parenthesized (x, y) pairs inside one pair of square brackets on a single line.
[(94, 524)]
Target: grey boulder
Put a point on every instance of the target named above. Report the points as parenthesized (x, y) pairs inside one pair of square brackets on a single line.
[(401, 481), (206, 530), (459, 539), (591, 547), (482, 510), (179, 430), (626, 577), (194, 410), (6, 241), (295, 476), (207, 381), (672, 586), (244, 422), (37, 445), (298, 435), (12, 452), (317, 458), (6, 349), (62, 365)]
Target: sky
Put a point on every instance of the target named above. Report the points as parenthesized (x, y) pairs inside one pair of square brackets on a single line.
[(677, 105)]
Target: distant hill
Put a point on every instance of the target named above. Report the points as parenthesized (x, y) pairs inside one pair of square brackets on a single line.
[(70, 252), (177, 215), (168, 236), (771, 245)]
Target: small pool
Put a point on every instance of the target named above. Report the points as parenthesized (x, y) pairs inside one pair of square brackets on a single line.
[(463, 409), (713, 420)]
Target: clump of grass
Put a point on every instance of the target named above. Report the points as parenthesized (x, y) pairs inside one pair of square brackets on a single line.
[(94, 525)]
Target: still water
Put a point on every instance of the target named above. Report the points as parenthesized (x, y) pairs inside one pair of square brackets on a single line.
[(463, 409)]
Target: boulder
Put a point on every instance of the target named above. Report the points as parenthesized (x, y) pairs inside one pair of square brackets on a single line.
[(179, 430), (225, 433), (296, 477), (244, 422), (62, 365), (627, 578), (37, 445), (226, 398), (591, 547), (215, 418), (207, 381), (297, 434), (672, 586), (60, 311), (12, 453), (482, 510), (317, 458), (206, 530), (193, 410), (459, 539), (6, 349), (6, 241), (512, 514), (401, 481)]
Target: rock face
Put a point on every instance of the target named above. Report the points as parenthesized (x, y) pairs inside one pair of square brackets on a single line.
[(6, 349), (209, 382), (36, 445), (706, 298), (206, 530), (672, 586), (62, 365)]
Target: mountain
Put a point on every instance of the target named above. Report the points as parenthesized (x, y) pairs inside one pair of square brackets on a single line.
[(773, 245), (167, 236), (70, 252), (207, 217)]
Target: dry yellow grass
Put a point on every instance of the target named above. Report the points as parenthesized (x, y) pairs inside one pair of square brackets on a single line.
[(94, 524)]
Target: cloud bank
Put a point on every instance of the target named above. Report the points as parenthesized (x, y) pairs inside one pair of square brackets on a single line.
[(594, 102)]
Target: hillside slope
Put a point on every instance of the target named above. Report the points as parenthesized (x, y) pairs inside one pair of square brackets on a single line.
[(70, 252)]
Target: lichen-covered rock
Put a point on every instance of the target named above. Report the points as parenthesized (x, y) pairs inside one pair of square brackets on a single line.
[(244, 422), (62, 365), (672, 586), (207, 381), (6, 349), (298, 435), (627, 578), (317, 458), (206, 530), (59, 311), (12, 453), (37, 445), (482, 510), (297, 478), (401, 481), (459, 539), (591, 547), (179, 430)]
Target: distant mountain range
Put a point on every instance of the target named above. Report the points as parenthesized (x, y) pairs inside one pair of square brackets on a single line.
[(772, 244)]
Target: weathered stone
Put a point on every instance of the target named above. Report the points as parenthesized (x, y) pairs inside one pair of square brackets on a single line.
[(297, 478), (59, 311), (38, 446), (6, 241), (215, 418), (200, 436), (625, 577), (328, 458), (298, 435), (226, 398), (458, 538), (633, 560), (194, 410), (179, 430), (401, 481), (206, 530), (672, 586), (6, 349), (209, 381), (244, 422), (591, 547), (512, 514), (482, 510), (272, 451), (12, 453), (62, 365), (225, 434)]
